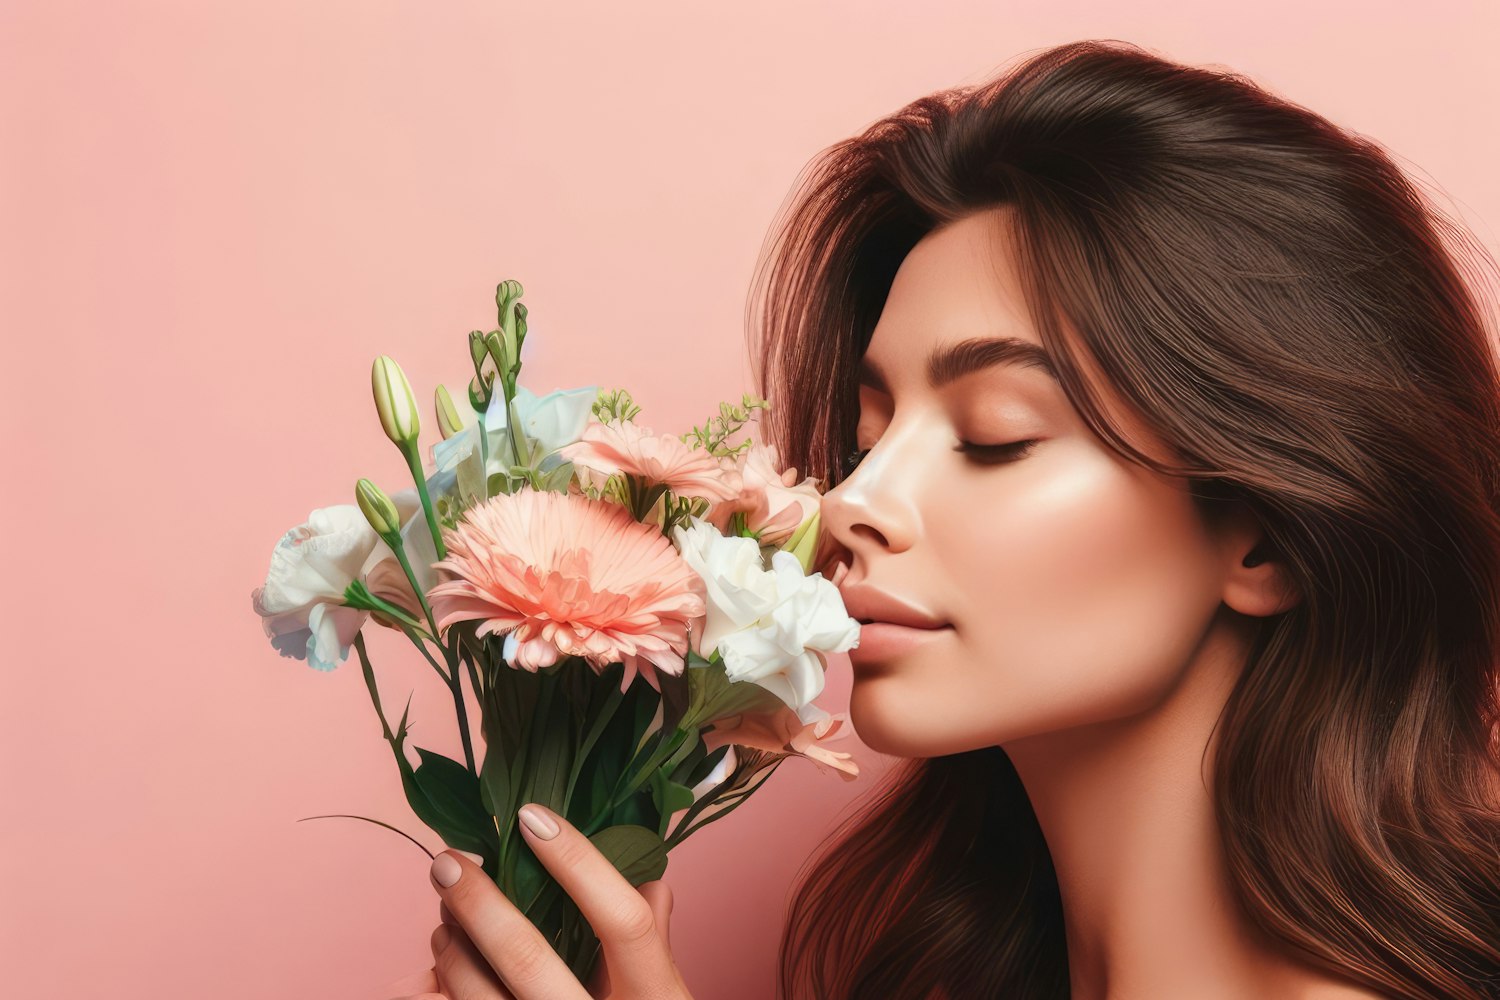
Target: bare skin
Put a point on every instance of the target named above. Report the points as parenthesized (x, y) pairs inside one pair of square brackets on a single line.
[(1097, 626)]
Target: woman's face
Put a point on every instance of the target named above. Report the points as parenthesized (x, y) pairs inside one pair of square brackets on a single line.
[(1077, 585)]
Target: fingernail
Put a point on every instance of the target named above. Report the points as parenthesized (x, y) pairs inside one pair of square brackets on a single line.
[(538, 822), (440, 937), (445, 870), (478, 859)]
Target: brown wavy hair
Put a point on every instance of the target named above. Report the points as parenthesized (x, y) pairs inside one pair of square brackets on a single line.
[(1313, 351)]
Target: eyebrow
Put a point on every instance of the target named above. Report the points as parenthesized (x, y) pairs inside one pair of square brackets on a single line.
[(948, 364)]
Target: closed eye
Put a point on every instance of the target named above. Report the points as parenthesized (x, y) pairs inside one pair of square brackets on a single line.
[(997, 454)]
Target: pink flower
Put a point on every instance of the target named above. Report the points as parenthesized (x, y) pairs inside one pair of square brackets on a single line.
[(627, 449), (783, 731), (571, 577), (773, 502)]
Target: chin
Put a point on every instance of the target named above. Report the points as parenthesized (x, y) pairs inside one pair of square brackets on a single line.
[(882, 718)]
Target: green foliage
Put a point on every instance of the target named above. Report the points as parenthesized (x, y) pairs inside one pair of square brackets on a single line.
[(637, 852), (713, 434), (615, 406)]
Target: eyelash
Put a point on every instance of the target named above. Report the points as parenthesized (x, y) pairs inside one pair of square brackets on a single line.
[(996, 454), (980, 454)]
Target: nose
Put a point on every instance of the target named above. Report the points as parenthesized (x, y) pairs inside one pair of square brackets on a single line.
[(875, 508)]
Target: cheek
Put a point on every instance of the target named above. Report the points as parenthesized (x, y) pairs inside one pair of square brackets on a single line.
[(1080, 595)]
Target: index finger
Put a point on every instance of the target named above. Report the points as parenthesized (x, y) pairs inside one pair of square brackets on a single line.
[(524, 960), (639, 960)]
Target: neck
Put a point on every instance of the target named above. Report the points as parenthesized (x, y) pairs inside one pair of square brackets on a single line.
[(1128, 816)]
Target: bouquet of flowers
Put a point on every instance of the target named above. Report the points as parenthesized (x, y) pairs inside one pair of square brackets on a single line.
[(639, 615)]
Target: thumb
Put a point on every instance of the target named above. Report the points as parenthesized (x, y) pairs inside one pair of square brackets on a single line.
[(659, 895)]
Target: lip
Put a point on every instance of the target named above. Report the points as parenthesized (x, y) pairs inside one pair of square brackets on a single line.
[(869, 604), (880, 641), (889, 625)]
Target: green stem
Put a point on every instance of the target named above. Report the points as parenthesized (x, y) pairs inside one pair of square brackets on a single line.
[(452, 678), (684, 828), (463, 712), (421, 645), (467, 655), (369, 672), (414, 463)]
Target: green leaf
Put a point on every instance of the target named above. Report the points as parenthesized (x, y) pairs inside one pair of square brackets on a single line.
[(454, 793), (705, 765), (438, 798), (555, 746), (636, 810), (495, 792), (668, 796), (531, 878), (638, 853), (556, 480)]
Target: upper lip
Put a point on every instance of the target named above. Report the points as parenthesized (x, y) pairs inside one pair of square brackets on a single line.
[(868, 604)]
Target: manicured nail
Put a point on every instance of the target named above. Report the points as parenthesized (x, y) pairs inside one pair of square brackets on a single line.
[(538, 822), (445, 870), (441, 936), (478, 859)]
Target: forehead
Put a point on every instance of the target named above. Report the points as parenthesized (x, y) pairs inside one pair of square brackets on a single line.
[(956, 306)]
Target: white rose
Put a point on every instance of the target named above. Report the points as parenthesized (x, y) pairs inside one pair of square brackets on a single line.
[(768, 626)]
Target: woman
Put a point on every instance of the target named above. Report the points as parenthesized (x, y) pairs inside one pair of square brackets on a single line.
[(1176, 427)]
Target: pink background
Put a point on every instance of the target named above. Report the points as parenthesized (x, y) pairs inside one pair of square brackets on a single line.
[(215, 215)]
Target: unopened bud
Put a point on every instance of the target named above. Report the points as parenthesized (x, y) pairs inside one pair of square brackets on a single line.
[(450, 419), (378, 509), (394, 401)]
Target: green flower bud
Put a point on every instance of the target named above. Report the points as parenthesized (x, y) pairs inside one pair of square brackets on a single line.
[(394, 401), (804, 541), (450, 418), (378, 509), (499, 347)]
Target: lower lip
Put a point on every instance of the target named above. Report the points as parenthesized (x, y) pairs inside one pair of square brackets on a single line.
[(880, 640)]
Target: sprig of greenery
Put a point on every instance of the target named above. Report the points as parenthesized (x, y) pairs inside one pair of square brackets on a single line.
[(712, 435), (615, 406)]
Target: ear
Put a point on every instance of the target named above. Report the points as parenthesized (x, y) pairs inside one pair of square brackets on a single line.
[(1256, 581)]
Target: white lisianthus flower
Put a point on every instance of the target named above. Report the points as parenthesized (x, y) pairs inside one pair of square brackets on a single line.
[(302, 602), (769, 626)]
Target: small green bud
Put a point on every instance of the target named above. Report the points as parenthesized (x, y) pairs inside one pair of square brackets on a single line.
[(378, 509), (450, 419), (394, 401), (804, 541)]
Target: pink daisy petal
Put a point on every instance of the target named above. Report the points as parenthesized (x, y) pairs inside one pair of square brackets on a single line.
[(571, 577)]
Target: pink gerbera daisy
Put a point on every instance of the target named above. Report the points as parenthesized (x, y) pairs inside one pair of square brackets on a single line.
[(625, 448), (571, 577)]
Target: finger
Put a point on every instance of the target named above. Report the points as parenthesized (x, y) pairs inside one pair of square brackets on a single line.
[(622, 919), (462, 973), (502, 934), (445, 914), (659, 895), (418, 982)]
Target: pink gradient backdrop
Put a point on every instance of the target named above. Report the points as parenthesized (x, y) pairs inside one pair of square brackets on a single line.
[(215, 215)]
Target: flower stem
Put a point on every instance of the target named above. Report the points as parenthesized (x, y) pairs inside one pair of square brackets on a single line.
[(414, 462), (457, 686), (369, 672)]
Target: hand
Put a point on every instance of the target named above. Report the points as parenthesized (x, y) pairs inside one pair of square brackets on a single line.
[(487, 949)]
